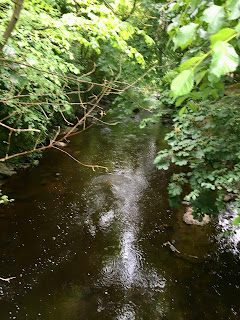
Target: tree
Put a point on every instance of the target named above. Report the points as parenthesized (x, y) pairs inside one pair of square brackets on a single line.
[(55, 63)]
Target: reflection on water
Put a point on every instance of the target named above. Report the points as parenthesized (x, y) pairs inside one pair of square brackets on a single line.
[(87, 245)]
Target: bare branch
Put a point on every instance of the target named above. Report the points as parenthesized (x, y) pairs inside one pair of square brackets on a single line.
[(149, 110), (18, 130), (93, 166), (107, 123), (7, 279), (104, 91), (126, 14)]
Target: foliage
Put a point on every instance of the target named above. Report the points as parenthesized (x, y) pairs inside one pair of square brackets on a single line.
[(205, 136), (208, 142), (4, 199), (209, 34), (54, 44)]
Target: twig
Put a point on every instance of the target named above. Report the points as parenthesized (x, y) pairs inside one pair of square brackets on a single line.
[(45, 94), (167, 4), (171, 246), (107, 123), (18, 130), (142, 76), (149, 110), (126, 14), (93, 166), (7, 279)]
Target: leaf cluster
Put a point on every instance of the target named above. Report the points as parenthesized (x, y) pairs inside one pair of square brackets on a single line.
[(208, 142), (208, 34)]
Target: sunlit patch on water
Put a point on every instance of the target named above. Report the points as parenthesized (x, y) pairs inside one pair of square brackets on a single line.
[(106, 219), (127, 312)]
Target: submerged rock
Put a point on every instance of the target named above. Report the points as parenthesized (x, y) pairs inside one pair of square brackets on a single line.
[(229, 197), (60, 144), (6, 170), (189, 219)]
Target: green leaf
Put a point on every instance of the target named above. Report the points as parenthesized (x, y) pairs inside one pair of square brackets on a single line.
[(187, 64), (236, 221), (237, 28), (234, 7), (224, 59), (180, 101), (123, 2), (192, 106), (185, 35), (200, 76), (195, 95), (213, 78), (175, 7), (162, 165), (182, 111), (182, 162), (215, 94), (222, 35), (214, 16), (199, 154), (174, 189), (194, 4), (206, 93), (183, 83)]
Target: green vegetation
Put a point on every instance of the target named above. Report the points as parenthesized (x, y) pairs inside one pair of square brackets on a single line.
[(62, 57), (64, 62), (206, 129), (4, 199)]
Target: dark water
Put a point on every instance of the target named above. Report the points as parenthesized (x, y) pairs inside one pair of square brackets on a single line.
[(88, 245)]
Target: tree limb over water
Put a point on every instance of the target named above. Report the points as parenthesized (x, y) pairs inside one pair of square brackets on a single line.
[(23, 103)]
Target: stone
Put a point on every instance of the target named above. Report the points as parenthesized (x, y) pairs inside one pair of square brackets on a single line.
[(6, 170), (189, 219), (60, 144), (229, 197)]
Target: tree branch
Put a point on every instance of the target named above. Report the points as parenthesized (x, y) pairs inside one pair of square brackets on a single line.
[(12, 23), (18, 130), (7, 279)]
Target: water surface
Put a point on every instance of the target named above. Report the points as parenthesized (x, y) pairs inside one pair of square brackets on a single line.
[(87, 245)]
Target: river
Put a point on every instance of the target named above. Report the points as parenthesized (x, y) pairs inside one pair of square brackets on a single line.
[(87, 245)]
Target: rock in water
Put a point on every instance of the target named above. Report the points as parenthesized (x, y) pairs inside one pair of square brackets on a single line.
[(189, 219)]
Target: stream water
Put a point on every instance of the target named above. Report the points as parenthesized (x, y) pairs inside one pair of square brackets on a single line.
[(87, 245)]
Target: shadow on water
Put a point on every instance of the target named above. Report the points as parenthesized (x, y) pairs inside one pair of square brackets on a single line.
[(89, 245)]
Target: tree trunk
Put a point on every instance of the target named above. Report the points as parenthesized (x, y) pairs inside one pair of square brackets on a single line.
[(12, 23)]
